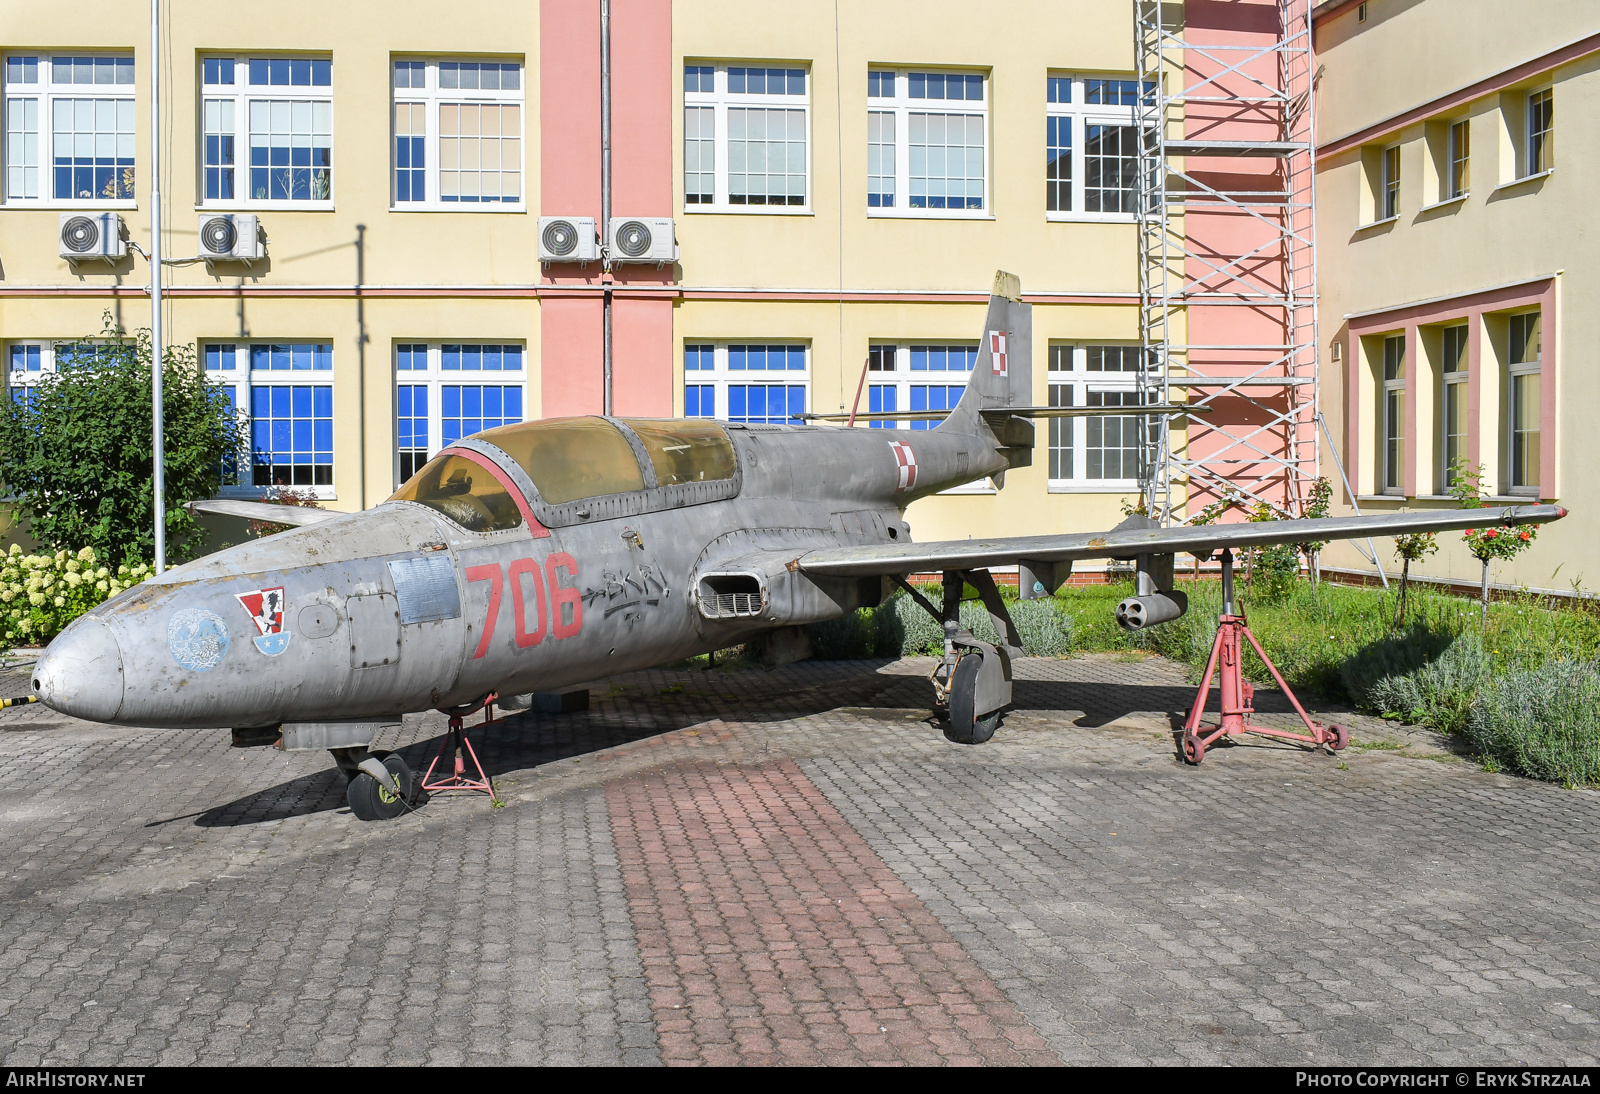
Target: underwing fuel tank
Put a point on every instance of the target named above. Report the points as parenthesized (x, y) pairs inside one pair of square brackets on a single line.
[(320, 605)]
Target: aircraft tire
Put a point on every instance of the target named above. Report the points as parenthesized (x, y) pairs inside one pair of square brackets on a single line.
[(965, 727), (369, 801)]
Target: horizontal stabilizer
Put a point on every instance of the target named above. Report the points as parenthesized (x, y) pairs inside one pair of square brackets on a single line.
[(1130, 542), (262, 510)]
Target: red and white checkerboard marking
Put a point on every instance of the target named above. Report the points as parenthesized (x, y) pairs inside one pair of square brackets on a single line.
[(907, 464), (997, 351)]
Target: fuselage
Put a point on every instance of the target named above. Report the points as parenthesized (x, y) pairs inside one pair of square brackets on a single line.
[(403, 608)]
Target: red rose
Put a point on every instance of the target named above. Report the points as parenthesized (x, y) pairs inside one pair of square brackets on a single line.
[(1491, 533), (1472, 531), (1526, 536)]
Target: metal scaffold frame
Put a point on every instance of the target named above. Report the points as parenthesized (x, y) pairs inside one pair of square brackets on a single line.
[(1197, 100)]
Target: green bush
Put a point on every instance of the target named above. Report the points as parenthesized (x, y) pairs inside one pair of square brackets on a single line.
[(1543, 722), (1426, 677), (41, 594), (900, 627)]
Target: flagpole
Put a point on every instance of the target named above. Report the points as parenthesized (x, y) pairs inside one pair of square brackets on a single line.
[(158, 424)]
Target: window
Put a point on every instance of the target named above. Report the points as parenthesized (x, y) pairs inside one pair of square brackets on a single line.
[(743, 382), (1523, 427), (1453, 426), (1096, 453), (1390, 188), (1393, 417), (287, 405), (1541, 131), (917, 377), (745, 133), (450, 390), (927, 142), (1460, 160), (26, 364), (281, 110), (1091, 145), (457, 134), (88, 104)]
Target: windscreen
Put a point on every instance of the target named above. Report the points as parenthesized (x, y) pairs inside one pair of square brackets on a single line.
[(571, 458), (686, 451), (465, 492)]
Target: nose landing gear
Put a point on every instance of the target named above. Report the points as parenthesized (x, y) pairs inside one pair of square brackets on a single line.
[(371, 800)]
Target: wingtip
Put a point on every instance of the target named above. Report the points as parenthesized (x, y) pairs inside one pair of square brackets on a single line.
[(1561, 511)]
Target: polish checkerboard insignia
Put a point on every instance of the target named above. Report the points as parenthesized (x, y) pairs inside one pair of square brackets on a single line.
[(997, 352), (905, 463), (266, 608)]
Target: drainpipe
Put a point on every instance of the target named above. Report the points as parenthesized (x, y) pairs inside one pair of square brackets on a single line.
[(605, 189), (157, 418)]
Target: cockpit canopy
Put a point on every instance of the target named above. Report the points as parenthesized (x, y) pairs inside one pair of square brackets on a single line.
[(570, 460)]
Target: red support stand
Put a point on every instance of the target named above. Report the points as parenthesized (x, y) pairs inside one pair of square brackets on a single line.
[(454, 744), (1237, 701)]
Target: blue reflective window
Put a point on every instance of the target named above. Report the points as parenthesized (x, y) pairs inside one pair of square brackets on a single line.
[(22, 70), (766, 81), (411, 401), (411, 357), (218, 71), (698, 78), (25, 359), (699, 401), (934, 397), (465, 409), (1060, 89), (880, 85), (292, 434), (773, 404), (291, 356), (766, 358), (1116, 92), (220, 356), (698, 358), (881, 400), (938, 85), (943, 359)]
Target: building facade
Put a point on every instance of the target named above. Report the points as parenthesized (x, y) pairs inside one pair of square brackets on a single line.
[(842, 180), (1460, 304)]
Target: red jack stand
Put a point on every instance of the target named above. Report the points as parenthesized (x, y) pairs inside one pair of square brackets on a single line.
[(1238, 694), (454, 743)]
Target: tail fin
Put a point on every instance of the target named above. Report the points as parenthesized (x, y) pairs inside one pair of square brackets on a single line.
[(1003, 375)]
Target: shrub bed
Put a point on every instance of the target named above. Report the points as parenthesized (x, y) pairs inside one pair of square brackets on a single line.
[(41, 594)]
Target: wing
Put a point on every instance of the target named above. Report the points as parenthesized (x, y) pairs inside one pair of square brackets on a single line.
[(261, 510), (1127, 542)]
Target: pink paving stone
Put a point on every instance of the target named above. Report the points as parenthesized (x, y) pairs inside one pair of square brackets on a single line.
[(756, 902)]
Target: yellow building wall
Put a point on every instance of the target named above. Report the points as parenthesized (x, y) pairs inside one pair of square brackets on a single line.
[(1503, 233)]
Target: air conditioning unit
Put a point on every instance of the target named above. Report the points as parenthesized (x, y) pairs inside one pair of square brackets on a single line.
[(641, 239), (92, 235), (231, 237), (568, 239)]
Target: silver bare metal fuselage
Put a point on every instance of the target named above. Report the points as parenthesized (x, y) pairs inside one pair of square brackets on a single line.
[(614, 591)]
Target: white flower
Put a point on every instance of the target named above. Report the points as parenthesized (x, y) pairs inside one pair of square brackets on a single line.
[(86, 555), (102, 586), (74, 579), (73, 565), (36, 599), (61, 602)]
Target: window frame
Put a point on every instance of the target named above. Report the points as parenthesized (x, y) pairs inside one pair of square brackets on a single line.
[(1389, 175), (1519, 370), (45, 92), (1079, 114), (1538, 144), (431, 97), (720, 100), (901, 106), (244, 378), (1077, 382), (435, 377), (721, 378), (242, 93), (1458, 159), (1391, 418), (899, 377), (1459, 379)]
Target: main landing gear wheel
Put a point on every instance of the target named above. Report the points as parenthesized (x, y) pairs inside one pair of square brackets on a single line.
[(965, 726), (1194, 749), (370, 800)]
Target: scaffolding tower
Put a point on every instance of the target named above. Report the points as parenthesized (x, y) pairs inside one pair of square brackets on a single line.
[(1227, 228)]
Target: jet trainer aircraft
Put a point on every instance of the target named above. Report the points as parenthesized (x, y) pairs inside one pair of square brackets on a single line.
[(532, 557)]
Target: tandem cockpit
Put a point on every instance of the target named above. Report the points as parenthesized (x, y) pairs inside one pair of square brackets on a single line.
[(561, 472)]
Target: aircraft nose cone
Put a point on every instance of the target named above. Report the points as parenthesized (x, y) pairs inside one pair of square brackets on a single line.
[(81, 673)]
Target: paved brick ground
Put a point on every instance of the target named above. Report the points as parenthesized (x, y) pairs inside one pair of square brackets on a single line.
[(164, 898)]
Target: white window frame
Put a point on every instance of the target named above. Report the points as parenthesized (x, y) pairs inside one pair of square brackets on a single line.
[(44, 94), (1545, 149), (1516, 371), (1392, 418), (431, 97), (721, 377), (435, 377), (1389, 184), (901, 378), (1458, 152), (1071, 386), (242, 93), (24, 378), (720, 101), (1451, 377), (902, 106), (1081, 114)]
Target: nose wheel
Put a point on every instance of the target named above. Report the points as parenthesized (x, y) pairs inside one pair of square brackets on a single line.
[(370, 800)]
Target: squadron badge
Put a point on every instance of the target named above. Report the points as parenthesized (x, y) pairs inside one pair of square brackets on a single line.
[(266, 608)]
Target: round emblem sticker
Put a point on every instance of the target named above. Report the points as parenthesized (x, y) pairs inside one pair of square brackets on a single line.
[(197, 639)]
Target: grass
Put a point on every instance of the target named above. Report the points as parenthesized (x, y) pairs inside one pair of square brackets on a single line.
[(1523, 689)]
